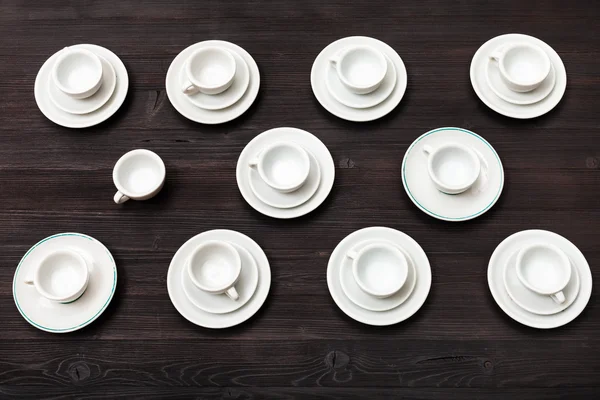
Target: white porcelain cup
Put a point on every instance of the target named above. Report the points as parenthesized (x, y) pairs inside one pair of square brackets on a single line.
[(544, 269), (379, 269), (361, 69), (284, 166), (209, 70), (215, 267), (523, 67), (452, 167), (61, 276), (77, 72), (138, 175)]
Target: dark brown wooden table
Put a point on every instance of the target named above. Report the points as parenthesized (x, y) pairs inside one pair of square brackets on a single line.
[(460, 345)]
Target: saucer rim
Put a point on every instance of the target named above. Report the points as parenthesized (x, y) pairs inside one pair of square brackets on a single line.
[(95, 316), (438, 216)]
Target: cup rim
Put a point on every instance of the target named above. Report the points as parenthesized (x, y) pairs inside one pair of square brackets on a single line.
[(192, 78), (459, 188), (128, 155), (565, 262), (371, 49), (237, 265), (364, 287), (303, 154), (68, 51), (547, 64), (82, 263)]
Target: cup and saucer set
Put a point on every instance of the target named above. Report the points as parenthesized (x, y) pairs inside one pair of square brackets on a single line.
[(539, 279), (212, 82), (378, 276), (64, 282), (452, 174), (358, 78), (81, 86), (285, 173), (219, 279), (518, 76)]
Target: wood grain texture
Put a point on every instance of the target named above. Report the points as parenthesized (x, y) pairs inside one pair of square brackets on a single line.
[(460, 345)]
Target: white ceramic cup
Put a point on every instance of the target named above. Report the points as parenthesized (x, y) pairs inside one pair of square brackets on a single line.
[(379, 269), (544, 269), (209, 70), (284, 166), (452, 167), (523, 67), (138, 175), (61, 276), (215, 267), (77, 72), (361, 69)]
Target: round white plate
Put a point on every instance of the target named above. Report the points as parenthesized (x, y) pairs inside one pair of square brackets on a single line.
[(305, 139), (403, 311), (321, 66), (480, 63), (496, 282), (66, 119), (273, 198), (217, 321), (221, 303), (197, 114), (346, 97), (495, 82), (460, 207), (89, 104), (372, 303), (53, 317), (228, 97)]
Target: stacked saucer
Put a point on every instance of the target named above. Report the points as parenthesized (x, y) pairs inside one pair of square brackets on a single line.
[(358, 78), (64, 282), (518, 76), (212, 82), (81, 86), (379, 276), (219, 279), (539, 279), (285, 172)]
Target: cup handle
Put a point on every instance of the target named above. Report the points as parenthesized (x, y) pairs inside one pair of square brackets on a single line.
[(232, 293), (29, 280), (496, 55), (189, 88), (120, 198), (427, 149), (253, 163), (335, 60), (352, 254), (559, 297)]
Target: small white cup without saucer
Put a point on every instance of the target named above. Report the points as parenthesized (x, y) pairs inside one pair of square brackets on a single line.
[(209, 70), (138, 175), (61, 276), (360, 68), (452, 167), (215, 267), (284, 166), (523, 67), (77, 72), (379, 269), (544, 269)]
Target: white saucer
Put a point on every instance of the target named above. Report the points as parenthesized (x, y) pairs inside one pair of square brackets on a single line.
[(395, 315), (276, 199), (502, 255), (480, 64), (209, 320), (337, 89), (220, 303), (495, 82), (461, 207), (321, 67), (89, 104), (305, 139), (372, 303), (62, 318), (197, 114), (66, 119), (228, 97), (533, 302)]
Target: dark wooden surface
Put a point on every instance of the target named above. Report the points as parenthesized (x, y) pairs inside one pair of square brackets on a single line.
[(299, 345)]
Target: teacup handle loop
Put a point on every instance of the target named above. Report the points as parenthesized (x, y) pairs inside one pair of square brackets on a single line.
[(29, 280), (253, 163), (497, 55), (120, 198), (189, 88), (232, 293), (559, 297), (335, 59), (427, 149), (352, 254)]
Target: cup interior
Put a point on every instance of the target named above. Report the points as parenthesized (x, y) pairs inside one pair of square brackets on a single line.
[(363, 67), (212, 67), (78, 71), (542, 267), (525, 65), (285, 165), (381, 270), (454, 166), (215, 266), (61, 274), (140, 173)]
